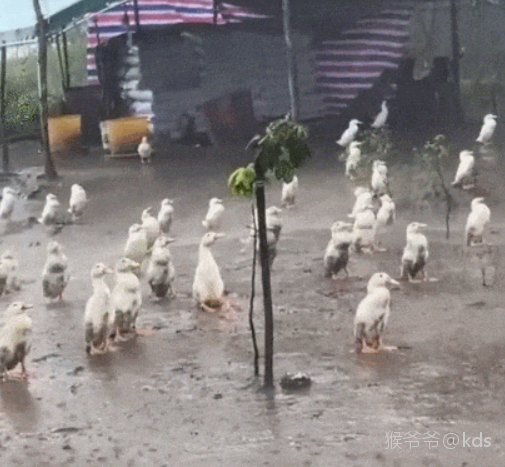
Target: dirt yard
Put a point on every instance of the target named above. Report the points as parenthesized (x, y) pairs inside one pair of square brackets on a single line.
[(186, 395)]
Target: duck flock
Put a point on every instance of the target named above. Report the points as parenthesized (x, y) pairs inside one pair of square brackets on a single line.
[(111, 313)]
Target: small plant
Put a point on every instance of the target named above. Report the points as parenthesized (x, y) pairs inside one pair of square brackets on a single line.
[(376, 144), (280, 151), (429, 178)]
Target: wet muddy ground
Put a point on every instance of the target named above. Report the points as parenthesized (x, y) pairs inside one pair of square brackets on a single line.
[(186, 394)]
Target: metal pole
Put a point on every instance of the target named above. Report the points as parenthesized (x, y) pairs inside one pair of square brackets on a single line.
[(137, 16), (455, 59), (292, 69), (60, 62), (3, 76), (65, 58), (214, 9)]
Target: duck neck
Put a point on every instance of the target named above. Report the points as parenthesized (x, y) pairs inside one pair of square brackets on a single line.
[(99, 284), (205, 254)]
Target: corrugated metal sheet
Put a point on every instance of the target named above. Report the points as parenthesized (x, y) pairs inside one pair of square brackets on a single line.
[(155, 14), (232, 61), (355, 59)]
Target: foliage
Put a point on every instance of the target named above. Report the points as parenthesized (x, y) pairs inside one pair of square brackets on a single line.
[(22, 82), (242, 180), (376, 144), (429, 161), (281, 150), (429, 177)]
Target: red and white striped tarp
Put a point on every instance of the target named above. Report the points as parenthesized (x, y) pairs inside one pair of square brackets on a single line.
[(355, 59), (153, 14)]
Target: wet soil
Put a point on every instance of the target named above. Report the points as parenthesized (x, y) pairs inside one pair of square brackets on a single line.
[(186, 394)]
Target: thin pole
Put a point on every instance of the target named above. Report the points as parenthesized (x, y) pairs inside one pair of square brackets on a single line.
[(455, 58), (42, 28), (251, 303), (214, 9), (3, 77), (265, 279), (137, 16), (292, 68), (60, 62), (65, 58)]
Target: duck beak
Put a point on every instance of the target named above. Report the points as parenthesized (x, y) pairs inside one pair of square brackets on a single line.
[(220, 235), (108, 271), (423, 226), (27, 306), (392, 281)]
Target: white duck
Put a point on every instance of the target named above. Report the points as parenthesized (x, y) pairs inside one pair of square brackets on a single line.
[(214, 214), (9, 197), (145, 151), (477, 221), (336, 255), (51, 214), (136, 244), (353, 160), (382, 116), (166, 215), (415, 253), (273, 220), (98, 312), (161, 272), (15, 338), (126, 299), (487, 130), (78, 201), (208, 286), (289, 193), (363, 199), (386, 214), (379, 181), (372, 314), (349, 134), (465, 171), (151, 226), (8, 273), (54, 275), (363, 230)]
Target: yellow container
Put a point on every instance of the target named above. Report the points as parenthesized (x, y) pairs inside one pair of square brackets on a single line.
[(125, 134), (64, 131)]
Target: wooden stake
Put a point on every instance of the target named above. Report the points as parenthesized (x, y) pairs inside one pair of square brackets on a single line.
[(265, 279)]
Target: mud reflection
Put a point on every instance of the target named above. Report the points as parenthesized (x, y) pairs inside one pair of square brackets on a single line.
[(19, 406)]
